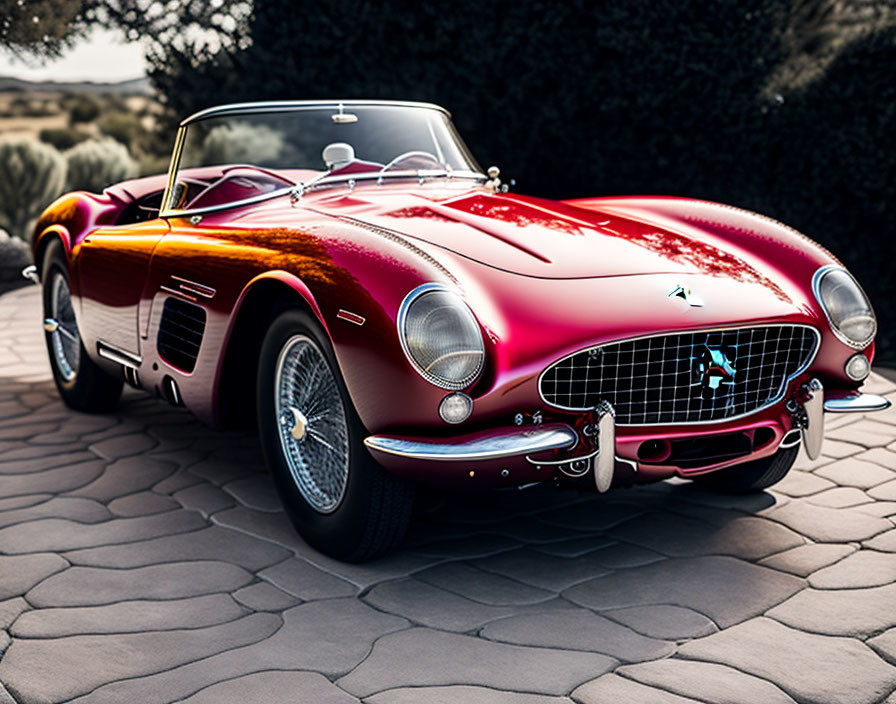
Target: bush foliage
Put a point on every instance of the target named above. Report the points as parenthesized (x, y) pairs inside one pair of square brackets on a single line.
[(31, 176), (82, 109), (62, 137), (123, 127), (98, 163)]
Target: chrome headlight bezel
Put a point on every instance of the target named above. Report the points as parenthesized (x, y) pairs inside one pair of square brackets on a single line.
[(401, 322), (817, 279)]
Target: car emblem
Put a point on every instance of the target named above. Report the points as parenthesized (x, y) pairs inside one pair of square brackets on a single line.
[(713, 368), (688, 296)]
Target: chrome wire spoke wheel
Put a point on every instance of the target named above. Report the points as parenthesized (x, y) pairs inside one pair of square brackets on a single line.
[(65, 338), (311, 423)]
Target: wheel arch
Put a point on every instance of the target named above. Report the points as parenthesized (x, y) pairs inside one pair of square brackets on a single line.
[(43, 241), (260, 300)]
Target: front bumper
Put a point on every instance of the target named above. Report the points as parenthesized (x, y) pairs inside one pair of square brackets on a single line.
[(489, 445), (856, 403), (517, 455)]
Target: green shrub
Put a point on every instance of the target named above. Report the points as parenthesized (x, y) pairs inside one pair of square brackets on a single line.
[(98, 163), (31, 176), (82, 109), (15, 255), (241, 143), (151, 164), (62, 137), (122, 126)]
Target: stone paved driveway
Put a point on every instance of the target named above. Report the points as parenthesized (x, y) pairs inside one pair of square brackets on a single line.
[(144, 558)]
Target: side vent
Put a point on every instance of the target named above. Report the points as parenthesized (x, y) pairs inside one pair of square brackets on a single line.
[(180, 333)]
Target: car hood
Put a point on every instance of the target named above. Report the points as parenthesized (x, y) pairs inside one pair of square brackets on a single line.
[(549, 239)]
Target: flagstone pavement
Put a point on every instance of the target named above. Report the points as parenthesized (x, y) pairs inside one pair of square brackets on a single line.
[(144, 558)]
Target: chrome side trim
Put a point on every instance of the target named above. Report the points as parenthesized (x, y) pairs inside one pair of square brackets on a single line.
[(178, 292), (30, 273), (350, 317), (860, 403), (113, 354), (809, 359), (131, 377), (503, 443), (194, 288)]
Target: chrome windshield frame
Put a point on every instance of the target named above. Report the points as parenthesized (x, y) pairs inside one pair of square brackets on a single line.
[(284, 105), (289, 106)]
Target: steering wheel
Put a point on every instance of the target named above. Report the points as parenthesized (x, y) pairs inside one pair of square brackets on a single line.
[(236, 174), (413, 160), (267, 172)]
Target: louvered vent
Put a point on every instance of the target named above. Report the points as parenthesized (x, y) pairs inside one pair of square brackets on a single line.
[(180, 333)]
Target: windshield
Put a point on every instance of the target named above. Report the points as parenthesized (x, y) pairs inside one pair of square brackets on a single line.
[(241, 155)]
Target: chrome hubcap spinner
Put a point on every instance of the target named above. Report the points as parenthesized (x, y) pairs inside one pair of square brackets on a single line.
[(62, 327)]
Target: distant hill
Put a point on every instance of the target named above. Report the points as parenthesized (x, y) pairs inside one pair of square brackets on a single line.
[(136, 86)]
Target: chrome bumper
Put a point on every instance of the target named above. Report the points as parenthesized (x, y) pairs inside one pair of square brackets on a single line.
[(520, 442), (860, 403), (505, 443)]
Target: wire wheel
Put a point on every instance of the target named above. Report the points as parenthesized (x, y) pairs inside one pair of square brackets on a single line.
[(311, 423), (64, 339)]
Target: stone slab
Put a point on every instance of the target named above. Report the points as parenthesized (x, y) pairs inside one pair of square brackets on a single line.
[(842, 671), (422, 657)]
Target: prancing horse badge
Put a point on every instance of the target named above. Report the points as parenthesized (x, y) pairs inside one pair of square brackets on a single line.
[(688, 296)]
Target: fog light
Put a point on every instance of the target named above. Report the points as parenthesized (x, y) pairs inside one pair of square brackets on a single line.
[(456, 408), (857, 367)]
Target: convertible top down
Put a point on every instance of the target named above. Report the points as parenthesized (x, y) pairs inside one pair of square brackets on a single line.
[(343, 274)]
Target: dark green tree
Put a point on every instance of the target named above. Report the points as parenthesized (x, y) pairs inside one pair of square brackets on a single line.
[(40, 28), (779, 106)]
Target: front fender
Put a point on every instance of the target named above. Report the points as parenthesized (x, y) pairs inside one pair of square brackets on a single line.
[(288, 279), (73, 216)]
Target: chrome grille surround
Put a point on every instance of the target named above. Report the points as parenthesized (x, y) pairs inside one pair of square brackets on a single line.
[(657, 379)]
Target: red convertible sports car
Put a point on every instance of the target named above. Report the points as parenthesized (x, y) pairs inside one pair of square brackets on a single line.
[(344, 275)]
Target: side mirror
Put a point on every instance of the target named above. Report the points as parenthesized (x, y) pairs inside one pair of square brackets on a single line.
[(494, 183)]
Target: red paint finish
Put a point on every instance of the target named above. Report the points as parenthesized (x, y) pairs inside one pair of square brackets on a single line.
[(544, 279)]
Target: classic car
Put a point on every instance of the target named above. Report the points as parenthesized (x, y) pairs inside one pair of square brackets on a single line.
[(343, 275)]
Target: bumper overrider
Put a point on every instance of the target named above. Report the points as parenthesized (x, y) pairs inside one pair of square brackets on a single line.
[(589, 451)]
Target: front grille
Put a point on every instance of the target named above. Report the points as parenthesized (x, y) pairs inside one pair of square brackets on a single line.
[(689, 377)]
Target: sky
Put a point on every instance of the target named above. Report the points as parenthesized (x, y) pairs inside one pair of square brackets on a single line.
[(103, 56)]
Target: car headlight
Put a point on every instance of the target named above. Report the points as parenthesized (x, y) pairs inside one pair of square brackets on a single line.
[(846, 306), (441, 337)]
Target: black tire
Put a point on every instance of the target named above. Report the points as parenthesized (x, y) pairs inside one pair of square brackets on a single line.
[(372, 515), (751, 476), (88, 388)]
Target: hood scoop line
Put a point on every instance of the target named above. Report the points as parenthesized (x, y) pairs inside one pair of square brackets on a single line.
[(480, 223)]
